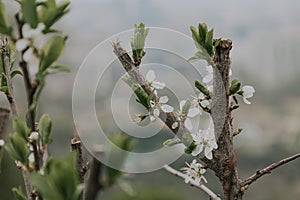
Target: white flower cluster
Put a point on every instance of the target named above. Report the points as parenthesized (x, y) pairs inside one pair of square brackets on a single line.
[(192, 112), (194, 172), (32, 42), (158, 105), (205, 140)]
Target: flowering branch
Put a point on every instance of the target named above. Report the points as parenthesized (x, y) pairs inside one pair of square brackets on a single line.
[(139, 79), (267, 170), (202, 187)]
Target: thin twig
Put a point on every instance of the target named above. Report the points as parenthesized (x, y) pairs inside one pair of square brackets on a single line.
[(138, 78), (6, 61), (30, 91), (76, 146), (268, 170), (93, 184), (202, 187)]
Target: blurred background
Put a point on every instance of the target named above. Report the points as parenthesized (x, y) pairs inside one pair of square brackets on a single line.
[(266, 54)]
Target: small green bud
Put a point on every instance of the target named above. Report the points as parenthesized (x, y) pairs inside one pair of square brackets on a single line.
[(201, 88), (235, 87), (171, 142)]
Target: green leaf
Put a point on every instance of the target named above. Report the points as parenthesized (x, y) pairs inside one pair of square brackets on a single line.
[(4, 89), (1, 63), (201, 88), (12, 53), (29, 11), (44, 129), (203, 40), (51, 12), (186, 107), (187, 139), (3, 80), (20, 128), (55, 69), (60, 179), (111, 176), (18, 149), (235, 87), (171, 142), (4, 29), (200, 55), (209, 42), (18, 193), (142, 96), (138, 42), (202, 28), (16, 72), (126, 187), (52, 51)]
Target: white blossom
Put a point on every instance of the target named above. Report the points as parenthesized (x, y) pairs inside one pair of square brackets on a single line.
[(2, 142), (248, 92), (200, 99), (34, 136), (33, 40), (194, 172), (192, 112), (205, 140), (156, 106), (150, 78)]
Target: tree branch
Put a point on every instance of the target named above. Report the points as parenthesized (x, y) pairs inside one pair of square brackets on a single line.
[(202, 187), (93, 184), (137, 77), (267, 170), (76, 146)]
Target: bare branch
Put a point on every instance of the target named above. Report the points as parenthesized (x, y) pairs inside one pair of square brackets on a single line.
[(202, 187), (76, 146), (267, 170), (93, 184)]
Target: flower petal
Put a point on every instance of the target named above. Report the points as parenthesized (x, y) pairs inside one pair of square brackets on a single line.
[(152, 118), (167, 108), (158, 85), (163, 99), (204, 103), (150, 76), (156, 113), (26, 31), (248, 91), (208, 153), (188, 124), (197, 150), (22, 44), (207, 78), (181, 104), (193, 112), (209, 69), (28, 55), (246, 101)]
